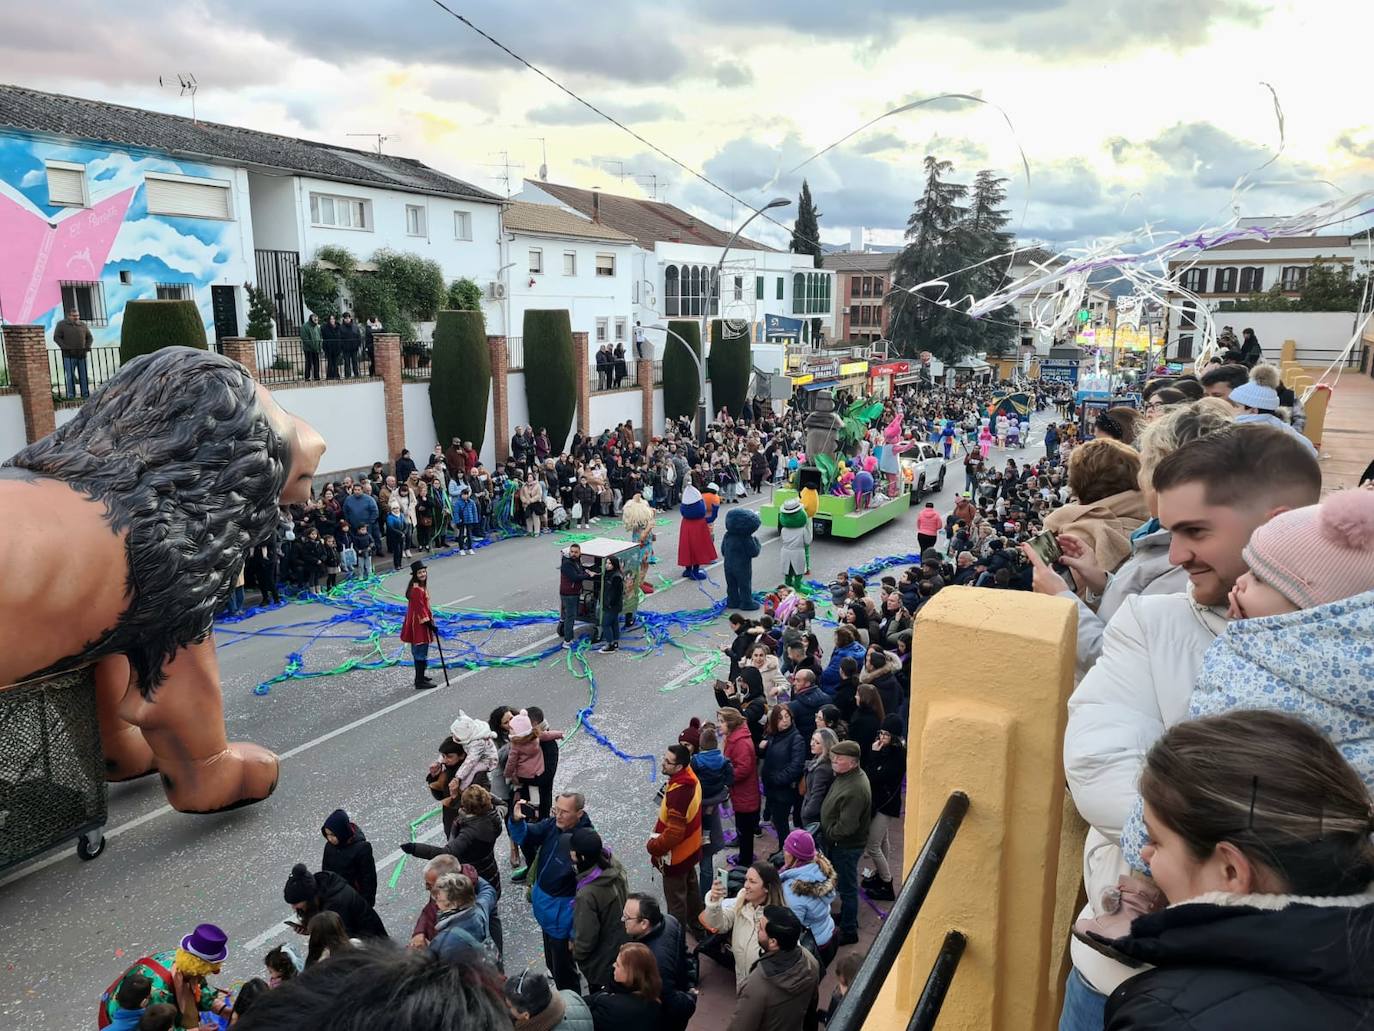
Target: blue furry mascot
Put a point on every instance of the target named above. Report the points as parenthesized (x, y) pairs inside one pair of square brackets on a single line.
[(740, 547)]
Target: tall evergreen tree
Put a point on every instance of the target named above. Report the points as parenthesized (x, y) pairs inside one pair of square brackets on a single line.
[(986, 237), (918, 322), (806, 230)]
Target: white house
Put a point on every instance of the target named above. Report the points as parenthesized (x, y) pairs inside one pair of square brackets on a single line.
[(555, 258), (101, 204), (775, 293), (1221, 277)]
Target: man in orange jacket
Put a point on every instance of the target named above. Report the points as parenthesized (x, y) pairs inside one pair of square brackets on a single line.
[(676, 844)]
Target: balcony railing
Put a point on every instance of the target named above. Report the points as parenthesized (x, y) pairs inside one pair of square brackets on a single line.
[(601, 383), (417, 359), (882, 956)]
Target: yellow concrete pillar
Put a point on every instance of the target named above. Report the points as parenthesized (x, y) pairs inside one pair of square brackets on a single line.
[(1288, 372), (1315, 407), (1289, 351), (988, 708)]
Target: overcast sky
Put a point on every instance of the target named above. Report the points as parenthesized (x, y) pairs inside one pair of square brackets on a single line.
[(1128, 111)]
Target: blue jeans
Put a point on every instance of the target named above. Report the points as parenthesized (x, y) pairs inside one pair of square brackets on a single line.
[(1085, 1008), (567, 615), (846, 863), (74, 367)]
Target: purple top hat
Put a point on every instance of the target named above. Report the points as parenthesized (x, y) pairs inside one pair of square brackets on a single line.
[(207, 942)]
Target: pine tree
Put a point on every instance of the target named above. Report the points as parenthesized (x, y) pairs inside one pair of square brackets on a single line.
[(986, 238), (918, 323), (806, 230)]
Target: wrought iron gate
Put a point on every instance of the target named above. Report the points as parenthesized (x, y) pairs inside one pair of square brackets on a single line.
[(279, 273)]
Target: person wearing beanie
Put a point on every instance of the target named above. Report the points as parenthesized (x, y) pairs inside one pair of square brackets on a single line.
[(1257, 404), (845, 817), (886, 768), (695, 546), (808, 886), (309, 894), (601, 892), (348, 853), (1302, 619)]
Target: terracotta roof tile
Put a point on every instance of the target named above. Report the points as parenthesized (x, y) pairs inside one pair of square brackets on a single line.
[(548, 220)]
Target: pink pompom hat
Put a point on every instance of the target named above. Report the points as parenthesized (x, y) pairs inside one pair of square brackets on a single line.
[(1318, 554)]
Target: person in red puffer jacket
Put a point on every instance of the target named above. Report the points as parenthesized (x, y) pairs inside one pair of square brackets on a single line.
[(744, 791)]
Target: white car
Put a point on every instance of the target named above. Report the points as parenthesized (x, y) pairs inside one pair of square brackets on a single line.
[(926, 465)]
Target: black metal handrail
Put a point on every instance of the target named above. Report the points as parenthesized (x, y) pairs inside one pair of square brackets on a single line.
[(937, 984), (882, 956)]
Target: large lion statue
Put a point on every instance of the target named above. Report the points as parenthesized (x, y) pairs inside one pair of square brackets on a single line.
[(125, 531)]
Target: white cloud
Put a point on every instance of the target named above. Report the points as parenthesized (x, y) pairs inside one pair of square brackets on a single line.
[(124, 172), (153, 238), (32, 178)]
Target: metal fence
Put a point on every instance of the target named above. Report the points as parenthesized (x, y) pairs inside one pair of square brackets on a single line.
[(515, 353), (658, 374), (101, 363), (600, 383), (283, 361), (882, 956), (416, 359)]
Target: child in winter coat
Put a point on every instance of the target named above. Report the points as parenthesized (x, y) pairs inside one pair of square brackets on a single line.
[(331, 563), (1302, 620), (478, 741), (525, 763)]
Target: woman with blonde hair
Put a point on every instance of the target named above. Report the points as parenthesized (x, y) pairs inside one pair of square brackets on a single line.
[(1148, 569)]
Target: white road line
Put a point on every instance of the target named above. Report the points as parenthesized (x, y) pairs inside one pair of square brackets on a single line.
[(455, 601)]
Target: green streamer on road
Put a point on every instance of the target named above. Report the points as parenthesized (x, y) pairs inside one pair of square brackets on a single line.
[(415, 826)]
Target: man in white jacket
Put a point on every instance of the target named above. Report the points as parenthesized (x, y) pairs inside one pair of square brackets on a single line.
[(1213, 493)]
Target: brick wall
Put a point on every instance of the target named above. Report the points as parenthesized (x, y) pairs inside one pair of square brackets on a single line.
[(386, 349), (243, 350), (500, 396), (581, 364), (27, 350)]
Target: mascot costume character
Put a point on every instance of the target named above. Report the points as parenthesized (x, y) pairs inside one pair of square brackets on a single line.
[(740, 547), (638, 519), (794, 527), (126, 532), (695, 546), (202, 953)]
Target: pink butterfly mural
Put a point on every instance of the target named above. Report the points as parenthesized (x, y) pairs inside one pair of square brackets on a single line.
[(40, 253)]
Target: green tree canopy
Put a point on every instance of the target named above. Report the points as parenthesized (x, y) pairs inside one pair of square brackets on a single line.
[(152, 325), (551, 373), (460, 379), (681, 386), (730, 364)]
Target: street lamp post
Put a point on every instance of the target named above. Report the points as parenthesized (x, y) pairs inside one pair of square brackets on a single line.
[(701, 372), (776, 202)]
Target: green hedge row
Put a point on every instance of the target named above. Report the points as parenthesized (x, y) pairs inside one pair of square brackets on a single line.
[(681, 387), (551, 373), (729, 365), (152, 325), (460, 378)]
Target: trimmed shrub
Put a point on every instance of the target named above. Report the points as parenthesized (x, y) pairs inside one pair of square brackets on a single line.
[(464, 295), (551, 373), (681, 388), (260, 314), (730, 364), (152, 325), (460, 380)]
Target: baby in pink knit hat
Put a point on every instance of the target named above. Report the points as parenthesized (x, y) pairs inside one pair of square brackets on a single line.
[(1308, 557)]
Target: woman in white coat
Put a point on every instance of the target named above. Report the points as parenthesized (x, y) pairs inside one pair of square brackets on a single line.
[(739, 917)]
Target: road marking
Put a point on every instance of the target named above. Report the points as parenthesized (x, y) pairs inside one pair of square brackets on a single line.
[(455, 601)]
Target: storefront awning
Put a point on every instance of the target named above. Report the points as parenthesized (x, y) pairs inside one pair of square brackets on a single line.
[(828, 384)]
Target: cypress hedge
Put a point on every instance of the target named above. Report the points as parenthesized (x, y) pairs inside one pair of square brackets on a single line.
[(681, 387), (730, 364), (460, 377), (550, 373), (152, 325)]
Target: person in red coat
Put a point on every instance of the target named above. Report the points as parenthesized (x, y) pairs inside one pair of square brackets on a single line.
[(744, 789), (695, 547), (418, 629)]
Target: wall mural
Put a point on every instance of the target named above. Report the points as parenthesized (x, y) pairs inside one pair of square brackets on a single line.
[(46, 245)]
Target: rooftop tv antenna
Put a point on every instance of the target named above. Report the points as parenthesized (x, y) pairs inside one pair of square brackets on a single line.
[(653, 181), (505, 164), (188, 85), (379, 137)]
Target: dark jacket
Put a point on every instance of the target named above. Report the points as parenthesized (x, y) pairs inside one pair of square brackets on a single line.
[(554, 879), (819, 776), (846, 697), (863, 730), (668, 942), (571, 573), (784, 761), (612, 593), (350, 340), (72, 338), (597, 929), (618, 1009), (804, 708), (354, 863), (885, 771), (715, 773), (1237, 966), (780, 990), (847, 811), (890, 691), (311, 340), (473, 840), (360, 920), (329, 336)]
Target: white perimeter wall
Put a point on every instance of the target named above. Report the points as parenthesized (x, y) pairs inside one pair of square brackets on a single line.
[(519, 408), (419, 425), (12, 436), (612, 408), (352, 419), (1320, 335)]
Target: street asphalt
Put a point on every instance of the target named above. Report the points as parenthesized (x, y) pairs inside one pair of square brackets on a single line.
[(361, 740)]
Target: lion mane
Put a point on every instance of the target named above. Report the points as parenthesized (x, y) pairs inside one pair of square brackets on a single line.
[(179, 452)]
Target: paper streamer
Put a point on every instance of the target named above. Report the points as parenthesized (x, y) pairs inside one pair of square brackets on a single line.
[(415, 826)]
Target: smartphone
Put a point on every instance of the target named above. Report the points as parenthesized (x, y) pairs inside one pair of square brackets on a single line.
[(1046, 545), (723, 879)]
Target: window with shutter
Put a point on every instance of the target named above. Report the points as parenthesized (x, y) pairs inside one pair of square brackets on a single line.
[(66, 185), (415, 220), (187, 199), (569, 263), (462, 225), (605, 264)]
